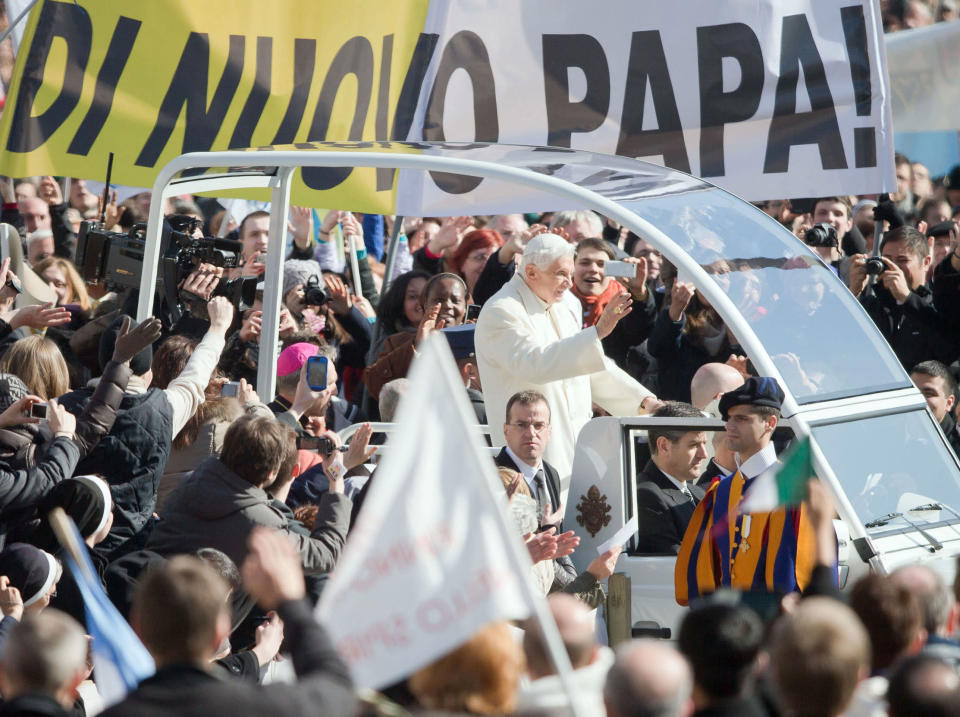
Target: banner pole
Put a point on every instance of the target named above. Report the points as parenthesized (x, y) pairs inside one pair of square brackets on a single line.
[(392, 253), (23, 14), (354, 262)]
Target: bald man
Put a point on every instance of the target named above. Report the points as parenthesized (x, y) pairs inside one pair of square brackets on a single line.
[(941, 613), (542, 691), (710, 382), (648, 677)]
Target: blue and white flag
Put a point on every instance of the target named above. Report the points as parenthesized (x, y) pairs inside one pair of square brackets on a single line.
[(120, 661)]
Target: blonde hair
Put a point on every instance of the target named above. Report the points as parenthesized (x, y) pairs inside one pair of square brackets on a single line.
[(508, 475), (479, 677), (37, 362), (78, 290)]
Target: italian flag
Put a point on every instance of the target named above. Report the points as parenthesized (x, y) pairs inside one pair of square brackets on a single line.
[(786, 485)]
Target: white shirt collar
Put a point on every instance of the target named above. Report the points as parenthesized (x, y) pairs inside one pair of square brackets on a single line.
[(681, 485), (528, 471), (758, 462)]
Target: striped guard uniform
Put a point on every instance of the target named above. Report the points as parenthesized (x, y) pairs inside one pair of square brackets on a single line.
[(772, 552)]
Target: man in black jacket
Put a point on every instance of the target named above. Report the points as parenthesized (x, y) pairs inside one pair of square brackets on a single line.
[(666, 488), (218, 504), (900, 302), (181, 614)]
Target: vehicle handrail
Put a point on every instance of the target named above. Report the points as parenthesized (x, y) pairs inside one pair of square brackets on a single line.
[(347, 433)]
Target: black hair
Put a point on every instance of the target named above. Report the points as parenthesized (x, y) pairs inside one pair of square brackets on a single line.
[(390, 309), (721, 641), (671, 409), (935, 368)]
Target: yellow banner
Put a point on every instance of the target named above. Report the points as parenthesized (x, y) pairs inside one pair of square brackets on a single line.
[(152, 80)]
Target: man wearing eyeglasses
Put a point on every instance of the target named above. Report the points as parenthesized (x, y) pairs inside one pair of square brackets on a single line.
[(527, 431)]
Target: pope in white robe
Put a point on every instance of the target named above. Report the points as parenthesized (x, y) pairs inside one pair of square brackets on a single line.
[(529, 337)]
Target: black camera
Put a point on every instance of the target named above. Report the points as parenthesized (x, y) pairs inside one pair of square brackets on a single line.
[(321, 444), (875, 265), (822, 234), (315, 293), (115, 260)]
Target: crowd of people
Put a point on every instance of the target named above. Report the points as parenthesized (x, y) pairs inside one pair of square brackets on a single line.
[(910, 14), (180, 477)]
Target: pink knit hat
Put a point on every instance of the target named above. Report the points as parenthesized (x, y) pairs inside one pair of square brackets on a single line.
[(293, 357)]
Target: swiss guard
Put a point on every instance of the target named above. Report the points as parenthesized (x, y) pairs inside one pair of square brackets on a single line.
[(760, 552)]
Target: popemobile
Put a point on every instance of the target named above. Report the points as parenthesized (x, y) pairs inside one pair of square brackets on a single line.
[(874, 443)]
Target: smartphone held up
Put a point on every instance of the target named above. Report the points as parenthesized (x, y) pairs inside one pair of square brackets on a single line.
[(317, 373)]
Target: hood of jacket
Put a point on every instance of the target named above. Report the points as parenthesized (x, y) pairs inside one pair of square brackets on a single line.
[(213, 491)]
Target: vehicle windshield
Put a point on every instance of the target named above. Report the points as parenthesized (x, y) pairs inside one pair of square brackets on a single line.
[(893, 464), (807, 320)]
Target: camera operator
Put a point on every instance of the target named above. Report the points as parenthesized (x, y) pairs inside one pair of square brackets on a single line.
[(899, 301)]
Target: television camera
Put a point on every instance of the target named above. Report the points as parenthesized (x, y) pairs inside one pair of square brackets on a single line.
[(115, 260)]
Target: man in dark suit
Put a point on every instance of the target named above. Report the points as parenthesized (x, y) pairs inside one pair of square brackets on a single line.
[(666, 488), (527, 430)]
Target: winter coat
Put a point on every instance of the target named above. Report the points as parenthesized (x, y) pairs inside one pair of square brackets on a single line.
[(214, 507)]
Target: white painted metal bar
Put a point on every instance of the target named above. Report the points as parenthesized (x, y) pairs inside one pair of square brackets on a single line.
[(273, 286)]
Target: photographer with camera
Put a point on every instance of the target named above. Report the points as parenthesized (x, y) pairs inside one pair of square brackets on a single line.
[(899, 300), (228, 496), (324, 305), (832, 234)]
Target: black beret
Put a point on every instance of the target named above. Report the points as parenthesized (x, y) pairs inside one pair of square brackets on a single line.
[(139, 364), (460, 339), (942, 228), (755, 391)]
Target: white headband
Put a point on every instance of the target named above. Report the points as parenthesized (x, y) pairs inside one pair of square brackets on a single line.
[(52, 576), (104, 489)]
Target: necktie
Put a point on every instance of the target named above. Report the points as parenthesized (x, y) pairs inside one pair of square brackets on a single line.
[(686, 491), (539, 481)]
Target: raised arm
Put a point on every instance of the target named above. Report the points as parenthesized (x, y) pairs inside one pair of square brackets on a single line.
[(185, 392)]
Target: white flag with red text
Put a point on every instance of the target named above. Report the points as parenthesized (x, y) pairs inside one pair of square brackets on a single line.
[(429, 560)]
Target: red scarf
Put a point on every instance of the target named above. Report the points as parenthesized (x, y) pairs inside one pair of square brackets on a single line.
[(593, 306)]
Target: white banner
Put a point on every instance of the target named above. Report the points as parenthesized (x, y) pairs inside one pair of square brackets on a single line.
[(924, 88), (765, 98), (429, 560)]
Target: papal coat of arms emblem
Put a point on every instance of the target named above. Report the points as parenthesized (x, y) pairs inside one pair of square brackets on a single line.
[(593, 511)]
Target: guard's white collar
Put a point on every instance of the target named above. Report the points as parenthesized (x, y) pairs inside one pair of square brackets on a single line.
[(758, 462)]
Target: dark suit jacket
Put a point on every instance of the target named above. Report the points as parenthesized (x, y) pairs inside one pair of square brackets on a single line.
[(712, 471), (663, 511), (552, 478)]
